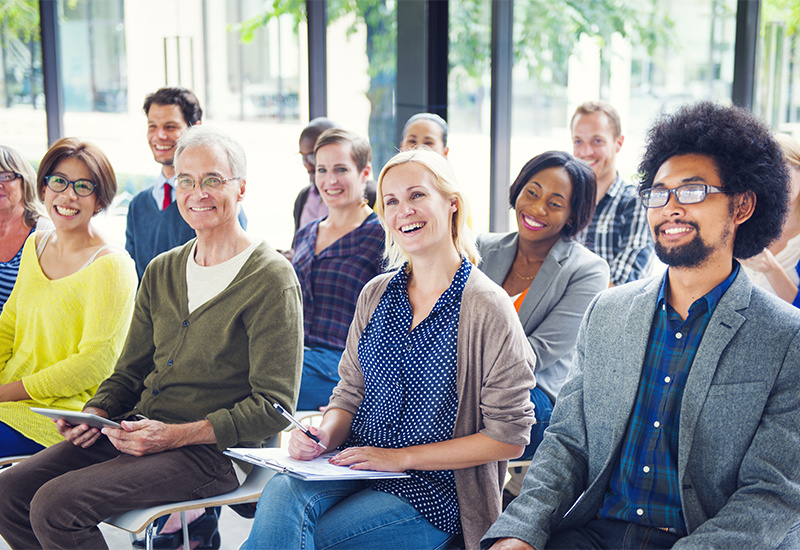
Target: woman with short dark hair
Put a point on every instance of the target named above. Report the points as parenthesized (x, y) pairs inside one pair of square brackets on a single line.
[(65, 322), (334, 258)]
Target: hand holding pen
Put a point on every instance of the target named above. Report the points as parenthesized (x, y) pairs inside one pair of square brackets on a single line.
[(306, 431)]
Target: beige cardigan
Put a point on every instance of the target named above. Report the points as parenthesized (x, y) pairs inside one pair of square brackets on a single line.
[(494, 375)]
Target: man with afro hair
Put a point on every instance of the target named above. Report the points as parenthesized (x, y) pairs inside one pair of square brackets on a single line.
[(678, 427)]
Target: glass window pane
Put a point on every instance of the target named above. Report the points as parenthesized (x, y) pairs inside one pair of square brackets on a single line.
[(656, 66), (362, 72), (114, 52), (778, 92), (23, 124), (469, 101)]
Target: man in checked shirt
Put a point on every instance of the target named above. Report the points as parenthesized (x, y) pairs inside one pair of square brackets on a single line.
[(618, 231), (678, 427)]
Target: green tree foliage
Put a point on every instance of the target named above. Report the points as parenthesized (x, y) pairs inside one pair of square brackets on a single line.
[(20, 19), (787, 11), (545, 34)]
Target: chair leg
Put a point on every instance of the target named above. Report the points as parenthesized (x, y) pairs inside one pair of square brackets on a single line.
[(185, 528), (134, 538), (148, 536)]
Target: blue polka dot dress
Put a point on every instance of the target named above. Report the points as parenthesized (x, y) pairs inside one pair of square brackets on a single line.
[(410, 391)]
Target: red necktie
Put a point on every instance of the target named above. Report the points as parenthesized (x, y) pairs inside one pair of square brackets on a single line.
[(167, 196)]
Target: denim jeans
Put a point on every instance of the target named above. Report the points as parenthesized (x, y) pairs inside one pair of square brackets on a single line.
[(320, 376), (305, 515), (13, 443), (608, 533), (543, 408)]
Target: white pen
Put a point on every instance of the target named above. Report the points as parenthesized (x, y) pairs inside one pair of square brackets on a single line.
[(297, 424)]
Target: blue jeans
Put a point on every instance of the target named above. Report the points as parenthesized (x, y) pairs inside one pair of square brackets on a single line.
[(320, 376), (608, 533), (543, 408), (13, 443), (305, 515)]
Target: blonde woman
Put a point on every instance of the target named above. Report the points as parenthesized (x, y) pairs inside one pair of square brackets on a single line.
[(777, 268), (435, 382)]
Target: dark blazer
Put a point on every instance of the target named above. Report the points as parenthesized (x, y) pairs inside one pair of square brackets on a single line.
[(551, 313), (739, 432)]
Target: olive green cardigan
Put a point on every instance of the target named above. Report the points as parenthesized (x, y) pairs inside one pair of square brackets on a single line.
[(226, 362)]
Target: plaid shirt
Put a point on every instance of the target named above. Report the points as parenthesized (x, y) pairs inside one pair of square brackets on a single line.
[(619, 234), (332, 280), (644, 485)]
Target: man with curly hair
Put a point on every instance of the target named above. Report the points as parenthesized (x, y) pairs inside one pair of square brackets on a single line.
[(678, 427)]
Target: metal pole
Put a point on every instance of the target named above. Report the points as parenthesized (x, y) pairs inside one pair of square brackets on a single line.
[(744, 57), (317, 61), (51, 69), (502, 63)]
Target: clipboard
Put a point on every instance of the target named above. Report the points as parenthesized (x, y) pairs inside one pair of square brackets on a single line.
[(318, 469)]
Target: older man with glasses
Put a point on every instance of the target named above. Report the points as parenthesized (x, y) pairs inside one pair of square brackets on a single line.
[(678, 425), (216, 339)]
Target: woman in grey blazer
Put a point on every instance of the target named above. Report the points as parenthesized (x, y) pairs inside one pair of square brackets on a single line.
[(549, 276)]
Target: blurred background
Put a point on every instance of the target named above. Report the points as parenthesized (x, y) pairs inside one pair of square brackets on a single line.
[(261, 76)]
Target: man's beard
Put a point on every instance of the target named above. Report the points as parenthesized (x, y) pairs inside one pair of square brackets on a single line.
[(692, 254)]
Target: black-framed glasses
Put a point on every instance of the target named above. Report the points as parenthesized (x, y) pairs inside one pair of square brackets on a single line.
[(59, 184), (6, 177), (208, 182), (308, 158), (691, 193)]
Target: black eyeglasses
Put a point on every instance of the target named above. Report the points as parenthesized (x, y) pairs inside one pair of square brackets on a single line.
[(691, 193), (307, 158), (6, 177), (59, 184)]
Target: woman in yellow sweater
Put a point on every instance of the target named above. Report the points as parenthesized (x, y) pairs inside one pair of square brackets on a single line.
[(64, 324)]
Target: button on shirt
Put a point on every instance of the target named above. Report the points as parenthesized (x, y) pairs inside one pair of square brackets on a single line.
[(410, 391), (644, 486)]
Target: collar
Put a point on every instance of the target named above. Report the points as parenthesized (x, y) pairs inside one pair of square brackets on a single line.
[(158, 188), (711, 298), (400, 283), (616, 187)]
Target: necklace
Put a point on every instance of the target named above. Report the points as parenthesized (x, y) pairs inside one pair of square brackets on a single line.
[(523, 278), (527, 278)]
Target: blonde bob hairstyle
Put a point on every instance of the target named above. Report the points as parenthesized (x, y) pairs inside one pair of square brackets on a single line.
[(444, 180)]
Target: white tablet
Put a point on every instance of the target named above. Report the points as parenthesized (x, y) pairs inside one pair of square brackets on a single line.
[(75, 418)]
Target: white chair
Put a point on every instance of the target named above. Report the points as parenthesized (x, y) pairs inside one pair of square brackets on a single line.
[(137, 521), (10, 460)]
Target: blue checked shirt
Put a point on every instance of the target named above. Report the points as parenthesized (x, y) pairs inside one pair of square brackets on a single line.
[(644, 486), (619, 234), (332, 280)]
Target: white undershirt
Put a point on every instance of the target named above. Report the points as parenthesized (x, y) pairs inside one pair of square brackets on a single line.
[(203, 283)]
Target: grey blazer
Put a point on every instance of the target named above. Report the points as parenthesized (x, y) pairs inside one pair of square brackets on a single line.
[(739, 433), (551, 313)]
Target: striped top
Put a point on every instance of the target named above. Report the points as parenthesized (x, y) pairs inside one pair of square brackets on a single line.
[(8, 275)]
